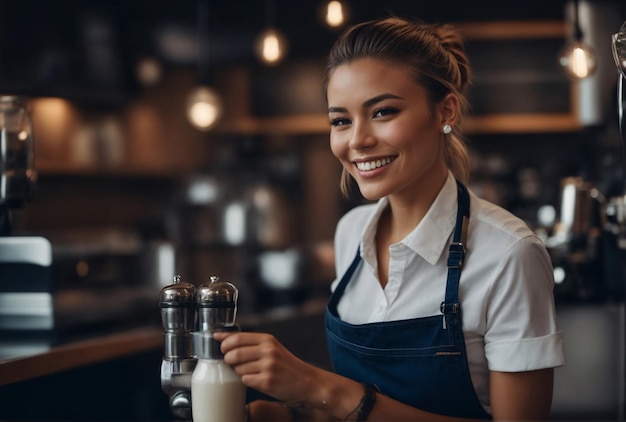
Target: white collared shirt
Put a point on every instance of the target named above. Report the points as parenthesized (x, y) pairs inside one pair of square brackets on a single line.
[(506, 287)]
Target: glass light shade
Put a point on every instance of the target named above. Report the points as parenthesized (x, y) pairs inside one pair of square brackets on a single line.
[(335, 13), (578, 60), (271, 47), (618, 45), (204, 108), (149, 71)]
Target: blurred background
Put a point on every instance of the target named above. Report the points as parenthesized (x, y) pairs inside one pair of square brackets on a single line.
[(133, 184)]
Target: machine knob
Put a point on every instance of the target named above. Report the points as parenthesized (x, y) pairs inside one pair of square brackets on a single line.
[(180, 404)]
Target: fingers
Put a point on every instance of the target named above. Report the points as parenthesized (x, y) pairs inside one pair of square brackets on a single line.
[(236, 340), (261, 360), (239, 348)]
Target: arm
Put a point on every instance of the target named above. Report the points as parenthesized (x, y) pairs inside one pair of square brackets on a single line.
[(521, 395), (264, 364)]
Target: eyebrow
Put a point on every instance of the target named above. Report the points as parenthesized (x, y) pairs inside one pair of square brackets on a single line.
[(367, 103)]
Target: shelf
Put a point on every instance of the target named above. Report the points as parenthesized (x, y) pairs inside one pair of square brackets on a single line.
[(489, 124), (521, 123), (521, 119), (59, 168), (306, 124), (503, 30)]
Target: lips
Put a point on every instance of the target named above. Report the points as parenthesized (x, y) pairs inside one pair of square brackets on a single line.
[(373, 164)]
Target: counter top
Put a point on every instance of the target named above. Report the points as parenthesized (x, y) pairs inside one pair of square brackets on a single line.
[(50, 360), (81, 353)]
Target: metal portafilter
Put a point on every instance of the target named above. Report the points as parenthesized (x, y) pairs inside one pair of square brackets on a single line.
[(178, 316)]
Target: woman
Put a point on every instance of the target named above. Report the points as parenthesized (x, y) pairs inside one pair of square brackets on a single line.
[(443, 306)]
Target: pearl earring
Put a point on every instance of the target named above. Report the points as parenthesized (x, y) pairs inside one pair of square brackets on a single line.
[(447, 129)]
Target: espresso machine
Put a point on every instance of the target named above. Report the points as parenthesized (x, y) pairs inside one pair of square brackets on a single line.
[(178, 315), (614, 210), (17, 172), (193, 369), (26, 303), (588, 243)]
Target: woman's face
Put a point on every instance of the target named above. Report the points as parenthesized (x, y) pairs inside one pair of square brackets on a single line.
[(383, 130)]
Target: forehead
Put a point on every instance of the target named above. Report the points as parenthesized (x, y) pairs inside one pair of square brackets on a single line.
[(367, 75)]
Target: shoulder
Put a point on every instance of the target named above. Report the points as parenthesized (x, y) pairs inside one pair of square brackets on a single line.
[(505, 238), (506, 248), (496, 223)]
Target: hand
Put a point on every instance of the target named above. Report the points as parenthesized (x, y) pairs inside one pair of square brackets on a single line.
[(267, 366), (262, 410)]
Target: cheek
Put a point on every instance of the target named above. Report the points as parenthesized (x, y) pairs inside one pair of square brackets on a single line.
[(414, 135), (338, 147)]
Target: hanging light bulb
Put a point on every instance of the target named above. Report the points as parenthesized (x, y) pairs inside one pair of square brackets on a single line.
[(204, 106), (270, 46), (149, 71), (578, 59), (335, 13)]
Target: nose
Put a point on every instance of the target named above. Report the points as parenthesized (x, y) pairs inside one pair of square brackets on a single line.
[(362, 136)]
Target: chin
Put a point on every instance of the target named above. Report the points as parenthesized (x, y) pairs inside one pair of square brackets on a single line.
[(371, 195)]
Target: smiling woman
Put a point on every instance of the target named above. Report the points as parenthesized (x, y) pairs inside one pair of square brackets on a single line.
[(483, 344), (372, 103)]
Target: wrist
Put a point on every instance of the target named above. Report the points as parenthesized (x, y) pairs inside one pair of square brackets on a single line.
[(362, 411), (295, 411)]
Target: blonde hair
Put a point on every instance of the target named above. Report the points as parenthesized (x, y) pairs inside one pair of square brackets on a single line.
[(436, 56)]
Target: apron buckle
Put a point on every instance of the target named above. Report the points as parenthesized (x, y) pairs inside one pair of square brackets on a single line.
[(450, 307), (456, 253)]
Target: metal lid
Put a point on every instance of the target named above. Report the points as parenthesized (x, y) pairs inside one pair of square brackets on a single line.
[(178, 294), (217, 294)]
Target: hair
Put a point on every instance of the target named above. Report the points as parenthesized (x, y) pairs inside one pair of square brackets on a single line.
[(436, 57)]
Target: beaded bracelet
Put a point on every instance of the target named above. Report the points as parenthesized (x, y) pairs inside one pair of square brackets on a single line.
[(295, 411), (367, 402)]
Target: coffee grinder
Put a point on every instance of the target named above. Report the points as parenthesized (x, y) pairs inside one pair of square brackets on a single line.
[(193, 373)]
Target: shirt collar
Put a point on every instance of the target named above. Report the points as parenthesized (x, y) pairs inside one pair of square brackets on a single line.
[(431, 236)]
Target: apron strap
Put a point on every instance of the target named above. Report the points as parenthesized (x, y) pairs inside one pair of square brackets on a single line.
[(341, 287), (456, 252)]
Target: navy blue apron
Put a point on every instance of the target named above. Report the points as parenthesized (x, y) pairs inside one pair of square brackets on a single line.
[(422, 361)]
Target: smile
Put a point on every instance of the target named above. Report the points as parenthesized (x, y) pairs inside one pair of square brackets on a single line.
[(372, 165)]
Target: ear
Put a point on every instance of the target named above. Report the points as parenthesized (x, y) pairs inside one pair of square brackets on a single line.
[(449, 109)]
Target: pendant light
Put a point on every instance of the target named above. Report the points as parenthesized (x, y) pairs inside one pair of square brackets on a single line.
[(271, 45), (618, 46), (204, 106), (335, 13), (578, 59)]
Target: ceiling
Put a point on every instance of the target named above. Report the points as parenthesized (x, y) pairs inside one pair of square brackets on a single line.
[(233, 24), (73, 47)]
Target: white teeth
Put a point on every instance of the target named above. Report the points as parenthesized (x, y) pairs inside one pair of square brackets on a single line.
[(371, 165)]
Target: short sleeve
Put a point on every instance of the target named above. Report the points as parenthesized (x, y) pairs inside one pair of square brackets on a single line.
[(521, 325)]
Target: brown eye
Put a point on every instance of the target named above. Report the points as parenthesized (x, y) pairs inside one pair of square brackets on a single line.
[(385, 111), (339, 122)]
